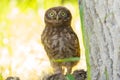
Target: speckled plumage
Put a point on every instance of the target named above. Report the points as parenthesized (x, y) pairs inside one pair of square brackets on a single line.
[(59, 39)]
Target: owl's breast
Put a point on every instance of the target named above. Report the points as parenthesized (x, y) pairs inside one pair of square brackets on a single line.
[(61, 44), (64, 44)]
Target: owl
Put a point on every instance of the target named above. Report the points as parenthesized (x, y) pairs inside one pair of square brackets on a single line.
[(59, 40)]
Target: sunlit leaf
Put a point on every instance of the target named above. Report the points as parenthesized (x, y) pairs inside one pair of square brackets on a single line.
[(67, 59)]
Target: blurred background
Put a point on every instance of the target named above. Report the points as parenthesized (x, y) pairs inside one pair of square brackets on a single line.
[(21, 25)]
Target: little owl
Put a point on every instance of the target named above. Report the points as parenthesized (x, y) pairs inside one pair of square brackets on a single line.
[(59, 39)]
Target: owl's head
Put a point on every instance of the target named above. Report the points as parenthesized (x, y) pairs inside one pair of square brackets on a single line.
[(58, 16)]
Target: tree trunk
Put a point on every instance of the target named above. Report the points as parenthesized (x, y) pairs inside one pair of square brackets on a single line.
[(102, 34)]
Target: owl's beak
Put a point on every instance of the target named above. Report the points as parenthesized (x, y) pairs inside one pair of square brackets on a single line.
[(57, 18)]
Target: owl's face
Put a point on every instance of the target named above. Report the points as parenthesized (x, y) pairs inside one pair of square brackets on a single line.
[(58, 16)]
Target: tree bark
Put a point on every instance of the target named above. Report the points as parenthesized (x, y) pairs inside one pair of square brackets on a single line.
[(102, 31)]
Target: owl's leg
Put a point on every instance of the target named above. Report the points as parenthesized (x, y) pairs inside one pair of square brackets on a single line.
[(57, 68), (69, 69)]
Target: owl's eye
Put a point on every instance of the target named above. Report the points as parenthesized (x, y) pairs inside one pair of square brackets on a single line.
[(63, 14), (51, 14)]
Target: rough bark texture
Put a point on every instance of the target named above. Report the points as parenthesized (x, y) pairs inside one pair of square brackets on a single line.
[(102, 26)]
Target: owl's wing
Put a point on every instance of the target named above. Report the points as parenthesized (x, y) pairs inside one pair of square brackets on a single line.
[(74, 45)]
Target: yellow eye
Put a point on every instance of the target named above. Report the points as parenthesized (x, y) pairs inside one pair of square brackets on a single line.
[(51, 14), (63, 14)]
